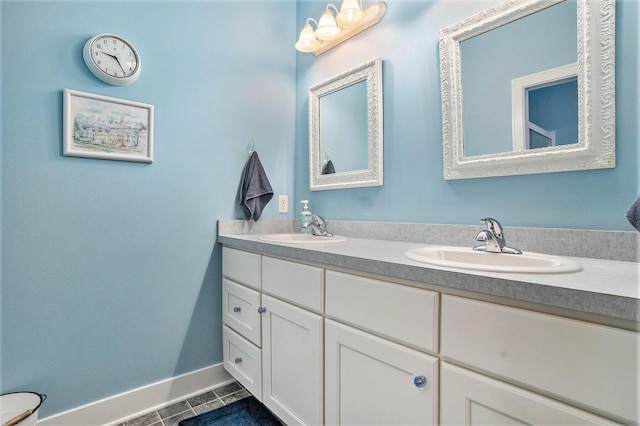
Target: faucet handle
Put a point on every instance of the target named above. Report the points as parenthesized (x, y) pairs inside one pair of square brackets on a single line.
[(319, 220), (493, 225)]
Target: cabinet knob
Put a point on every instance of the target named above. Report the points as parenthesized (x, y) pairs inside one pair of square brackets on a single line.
[(237, 360), (420, 381), (262, 310), (237, 309)]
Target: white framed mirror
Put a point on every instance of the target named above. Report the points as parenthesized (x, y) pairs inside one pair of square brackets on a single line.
[(345, 129), (482, 131)]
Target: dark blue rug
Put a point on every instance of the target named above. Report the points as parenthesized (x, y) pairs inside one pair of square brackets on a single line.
[(246, 412)]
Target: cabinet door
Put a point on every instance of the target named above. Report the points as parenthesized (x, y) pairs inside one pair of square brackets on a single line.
[(473, 399), (370, 380), (292, 362)]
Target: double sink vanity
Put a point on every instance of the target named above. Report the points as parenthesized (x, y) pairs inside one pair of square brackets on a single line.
[(373, 326), (390, 323)]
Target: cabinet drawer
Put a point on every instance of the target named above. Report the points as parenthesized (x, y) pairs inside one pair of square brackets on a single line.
[(243, 361), (240, 310), (402, 313), (586, 364), (302, 285), (241, 266)]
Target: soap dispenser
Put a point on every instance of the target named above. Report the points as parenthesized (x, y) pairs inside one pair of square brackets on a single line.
[(305, 216)]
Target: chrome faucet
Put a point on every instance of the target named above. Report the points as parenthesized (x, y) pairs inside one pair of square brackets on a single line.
[(493, 238), (318, 225)]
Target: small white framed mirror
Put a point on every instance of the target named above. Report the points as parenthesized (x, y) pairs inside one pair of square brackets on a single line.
[(346, 129), (486, 127)]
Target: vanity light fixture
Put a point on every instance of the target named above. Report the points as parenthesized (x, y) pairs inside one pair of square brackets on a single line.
[(332, 30)]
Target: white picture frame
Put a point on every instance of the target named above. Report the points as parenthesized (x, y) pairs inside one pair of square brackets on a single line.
[(96, 126)]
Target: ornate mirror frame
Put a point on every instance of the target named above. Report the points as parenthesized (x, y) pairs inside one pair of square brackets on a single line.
[(596, 95), (371, 72)]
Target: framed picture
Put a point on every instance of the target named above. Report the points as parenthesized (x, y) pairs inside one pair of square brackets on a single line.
[(108, 128)]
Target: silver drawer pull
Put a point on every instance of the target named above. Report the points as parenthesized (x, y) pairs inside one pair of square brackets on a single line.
[(262, 310), (237, 360), (420, 381), (237, 309)]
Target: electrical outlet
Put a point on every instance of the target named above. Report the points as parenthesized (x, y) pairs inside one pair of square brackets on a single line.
[(283, 204)]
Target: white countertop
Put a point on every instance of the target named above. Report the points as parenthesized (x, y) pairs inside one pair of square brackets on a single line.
[(603, 287)]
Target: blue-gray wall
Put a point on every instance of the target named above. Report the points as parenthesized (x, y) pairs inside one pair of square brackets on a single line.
[(110, 270), (414, 190)]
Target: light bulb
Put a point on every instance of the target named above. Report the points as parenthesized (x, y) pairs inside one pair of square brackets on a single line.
[(327, 27), (350, 14), (307, 42)]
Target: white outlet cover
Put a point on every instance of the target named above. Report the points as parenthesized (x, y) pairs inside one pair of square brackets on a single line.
[(283, 204)]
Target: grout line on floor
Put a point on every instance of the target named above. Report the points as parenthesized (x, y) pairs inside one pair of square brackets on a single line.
[(191, 407)]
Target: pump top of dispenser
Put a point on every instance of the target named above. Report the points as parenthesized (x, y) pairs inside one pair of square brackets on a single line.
[(305, 205)]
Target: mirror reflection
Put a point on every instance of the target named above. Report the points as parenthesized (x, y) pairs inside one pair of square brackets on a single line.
[(493, 60), (551, 115), (345, 129)]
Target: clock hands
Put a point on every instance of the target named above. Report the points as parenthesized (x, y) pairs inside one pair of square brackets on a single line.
[(116, 58)]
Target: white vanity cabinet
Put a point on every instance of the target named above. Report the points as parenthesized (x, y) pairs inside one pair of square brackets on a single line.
[(292, 336), (371, 375), (334, 348), (273, 332), (474, 399), (241, 333), (583, 364), (370, 380)]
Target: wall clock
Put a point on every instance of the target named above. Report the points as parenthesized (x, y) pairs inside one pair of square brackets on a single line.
[(112, 59)]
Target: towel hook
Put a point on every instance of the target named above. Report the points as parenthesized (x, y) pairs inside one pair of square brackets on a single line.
[(253, 145)]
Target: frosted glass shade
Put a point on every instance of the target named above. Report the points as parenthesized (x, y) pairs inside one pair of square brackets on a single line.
[(350, 14), (327, 27), (307, 42)]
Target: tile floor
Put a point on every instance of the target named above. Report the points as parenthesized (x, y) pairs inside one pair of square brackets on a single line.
[(173, 414)]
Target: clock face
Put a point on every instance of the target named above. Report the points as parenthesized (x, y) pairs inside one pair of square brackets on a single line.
[(112, 59), (114, 56)]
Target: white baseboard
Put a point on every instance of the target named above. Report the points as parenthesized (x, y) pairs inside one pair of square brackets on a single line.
[(129, 405)]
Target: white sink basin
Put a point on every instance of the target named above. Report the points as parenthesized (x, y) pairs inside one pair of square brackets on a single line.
[(301, 239), (467, 258)]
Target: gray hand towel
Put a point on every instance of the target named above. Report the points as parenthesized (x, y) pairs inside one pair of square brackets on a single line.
[(328, 168), (256, 191), (633, 214)]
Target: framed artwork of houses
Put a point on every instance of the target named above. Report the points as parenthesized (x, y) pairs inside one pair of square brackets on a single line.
[(97, 126)]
